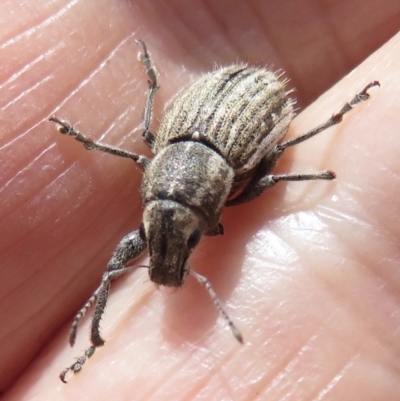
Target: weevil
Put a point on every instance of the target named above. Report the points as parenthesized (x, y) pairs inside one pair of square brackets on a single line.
[(216, 146)]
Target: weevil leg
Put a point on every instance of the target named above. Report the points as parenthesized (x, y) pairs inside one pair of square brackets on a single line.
[(145, 59), (217, 230), (129, 249), (257, 188), (335, 119), (264, 179), (65, 128)]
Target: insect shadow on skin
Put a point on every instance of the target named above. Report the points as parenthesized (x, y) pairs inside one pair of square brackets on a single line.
[(216, 146)]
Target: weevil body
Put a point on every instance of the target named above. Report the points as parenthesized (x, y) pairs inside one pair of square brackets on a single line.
[(216, 146)]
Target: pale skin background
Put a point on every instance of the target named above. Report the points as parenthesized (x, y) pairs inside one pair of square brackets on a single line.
[(310, 272)]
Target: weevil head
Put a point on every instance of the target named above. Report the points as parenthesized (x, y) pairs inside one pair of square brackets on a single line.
[(172, 231)]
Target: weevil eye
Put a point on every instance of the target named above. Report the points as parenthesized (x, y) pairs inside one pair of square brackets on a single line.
[(142, 232), (194, 238)]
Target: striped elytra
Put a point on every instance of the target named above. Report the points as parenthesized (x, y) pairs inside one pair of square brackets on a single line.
[(240, 111)]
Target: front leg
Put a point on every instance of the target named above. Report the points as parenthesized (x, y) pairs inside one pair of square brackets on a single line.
[(65, 128), (130, 248)]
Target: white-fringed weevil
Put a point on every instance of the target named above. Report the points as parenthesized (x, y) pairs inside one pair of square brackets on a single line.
[(216, 146)]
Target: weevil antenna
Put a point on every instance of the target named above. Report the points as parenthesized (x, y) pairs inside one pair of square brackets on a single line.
[(204, 281)]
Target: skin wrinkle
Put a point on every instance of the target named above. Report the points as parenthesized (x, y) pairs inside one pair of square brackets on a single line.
[(228, 47), (72, 93), (380, 226), (274, 46), (294, 231), (172, 13), (262, 240), (91, 74), (330, 213), (25, 69), (24, 35), (26, 168), (193, 390), (15, 330), (124, 138), (345, 298), (27, 233), (222, 377), (233, 47), (117, 121), (336, 379), (312, 339), (334, 34), (358, 255), (66, 244), (56, 295), (280, 370), (348, 249), (329, 321), (339, 42), (296, 77), (281, 56), (268, 381), (18, 136), (26, 92), (167, 378), (209, 376), (283, 372), (228, 386)]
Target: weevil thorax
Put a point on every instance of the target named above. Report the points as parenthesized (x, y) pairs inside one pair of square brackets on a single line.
[(184, 190)]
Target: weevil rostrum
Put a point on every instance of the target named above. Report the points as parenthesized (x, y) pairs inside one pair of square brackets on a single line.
[(216, 146)]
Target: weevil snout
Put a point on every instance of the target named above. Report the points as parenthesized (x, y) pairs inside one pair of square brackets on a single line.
[(172, 231)]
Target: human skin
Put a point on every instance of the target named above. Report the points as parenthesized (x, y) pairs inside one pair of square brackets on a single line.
[(309, 271)]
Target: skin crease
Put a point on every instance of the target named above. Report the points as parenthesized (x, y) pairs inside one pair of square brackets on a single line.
[(309, 272)]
